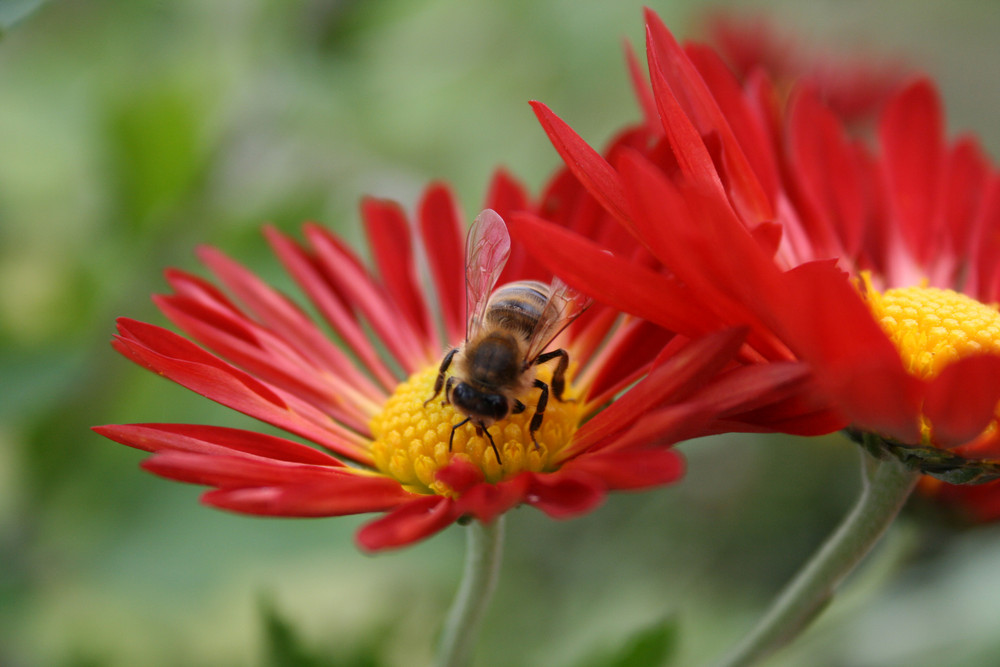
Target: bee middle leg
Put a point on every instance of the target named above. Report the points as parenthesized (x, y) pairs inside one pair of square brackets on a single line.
[(559, 374), (439, 380), (536, 419)]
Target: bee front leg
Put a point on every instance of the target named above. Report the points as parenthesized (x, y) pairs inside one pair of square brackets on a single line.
[(480, 429), (559, 374), (451, 439), (536, 419), (439, 380)]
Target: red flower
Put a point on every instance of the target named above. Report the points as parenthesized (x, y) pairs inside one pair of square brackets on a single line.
[(875, 267), (853, 87), (378, 448)]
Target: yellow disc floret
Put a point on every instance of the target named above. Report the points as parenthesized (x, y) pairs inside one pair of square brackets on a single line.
[(933, 327), (411, 439)]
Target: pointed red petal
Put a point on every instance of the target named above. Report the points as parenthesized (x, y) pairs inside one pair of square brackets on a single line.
[(348, 276), (962, 400), (613, 280), (911, 133), (669, 382), (238, 471), (409, 523), (349, 494), (858, 366), (333, 309), (488, 501), (274, 360), (460, 474), (201, 439), (442, 232), (180, 360), (389, 237), (640, 85), (673, 74), (563, 494), (632, 469), (831, 202), (586, 164)]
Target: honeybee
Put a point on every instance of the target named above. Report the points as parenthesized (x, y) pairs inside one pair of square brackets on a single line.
[(506, 335)]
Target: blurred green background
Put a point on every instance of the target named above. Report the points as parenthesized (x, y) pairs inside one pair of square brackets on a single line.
[(131, 132)]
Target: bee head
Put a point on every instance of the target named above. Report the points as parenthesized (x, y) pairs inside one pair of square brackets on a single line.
[(480, 405)]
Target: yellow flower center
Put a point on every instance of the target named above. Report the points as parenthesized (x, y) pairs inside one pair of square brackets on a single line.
[(933, 327), (411, 440)]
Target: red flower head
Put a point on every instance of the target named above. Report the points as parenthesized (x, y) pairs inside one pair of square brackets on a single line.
[(877, 267), (852, 87), (381, 444)]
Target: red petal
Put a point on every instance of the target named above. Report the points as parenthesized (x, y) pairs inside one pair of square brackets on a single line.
[(442, 232), (409, 523), (962, 400), (563, 495), (688, 147), (586, 164), (488, 501), (673, 74), (619, 282), (349, 494), (911, 133), (275, 311), (213, 440), (632, 469), (685, 228), (858, 366), (660, 427), (669, 382), (331, 306), (832, 205), (641, 87), (750, 387), (390, 237), (460, 474), (747, 126), (625, 358), (275, 361), (344, 271), (176, 358)]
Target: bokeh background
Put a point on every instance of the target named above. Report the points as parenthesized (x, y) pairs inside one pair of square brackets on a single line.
[(131, 132)]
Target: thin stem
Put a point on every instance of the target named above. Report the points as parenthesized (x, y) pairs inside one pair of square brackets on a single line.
[(479, 580), (886, 486)]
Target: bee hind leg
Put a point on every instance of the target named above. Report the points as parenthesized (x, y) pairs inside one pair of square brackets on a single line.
[(439, 380), (559, 374)]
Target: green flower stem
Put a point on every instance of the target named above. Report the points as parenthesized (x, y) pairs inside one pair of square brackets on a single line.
[(479, 580), (886, 486)]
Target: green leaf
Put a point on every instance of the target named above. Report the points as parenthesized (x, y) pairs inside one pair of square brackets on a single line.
[(284, 648), (650, 647), (282, 645)]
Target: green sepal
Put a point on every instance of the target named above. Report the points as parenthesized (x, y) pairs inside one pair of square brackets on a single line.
[(933, 461)]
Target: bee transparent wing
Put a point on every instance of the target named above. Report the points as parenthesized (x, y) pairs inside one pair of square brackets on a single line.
[(565, 304), (486, 251)]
